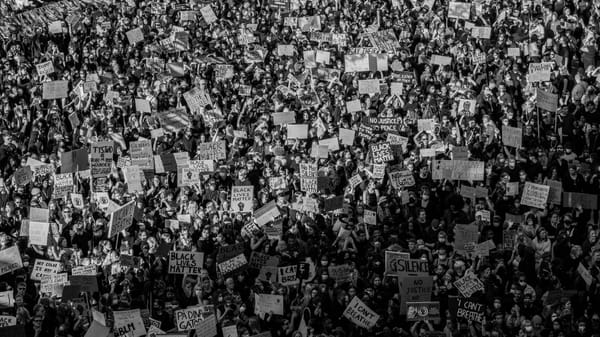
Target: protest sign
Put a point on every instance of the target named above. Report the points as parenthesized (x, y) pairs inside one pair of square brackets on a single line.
[(197, 99), (230, 251), (101, 158), (74, 161), (121, 219), (208, 14), (512, 136), (39, 214), (401, 179), (441, 60), (229, 266), (7, 321), (587, 201), (96, 329), (44, 268), (286, 49), (297, 131), (346, 136), (468, 285), (23, 176), (280, 118), (555, 194), (141, 154), (360, 314), (133, 177), (85, 282), (10, 259), (368, 86), (174, 119), (128, 323), (212, 151), (514, 52), (540, 72), (466, 308), (381, 152), (385, 124), (45, 68), (353, 106), (585, 274), (259, 260), (38, 233), (341, 273), (414, 289), (419, 311), (287, 275), (63, 184), (55, 89), (267, 304), (546, 100), (84, 271), (481, 32), (230, 331), (135, 35), (400, 264), (458, 170), (7, 299), (183, 262), (535, 195), (266, 213), (465, 238), (459, 10), (242, 199), (191, 318)]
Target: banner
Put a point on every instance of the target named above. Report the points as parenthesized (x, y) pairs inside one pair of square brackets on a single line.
[(420, 311), (10, 259), (242, 199), (400, 264), (128, 323), (174, 119), (182, 262), (468, 285), (121, 219), (358, 313), (535, 195)]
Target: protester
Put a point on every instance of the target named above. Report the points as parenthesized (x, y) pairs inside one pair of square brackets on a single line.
[(290, 168)]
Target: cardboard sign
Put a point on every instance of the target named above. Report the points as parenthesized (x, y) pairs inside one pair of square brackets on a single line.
[(468, 285), (74, 161), (555, 195), (587, 201), (481, 32), (397, 263), (287, 276), (465, 238), (45, 268), (197, 99), (346, 136), (267, 303), (191, 318), (208, 14), (183, 262), (121, 219), (342, 273), (7, 299), (401, 179), (135, 35), (381, 152), (96, 329), (514, 52), (10, 260), (212, 151), (540, 72), (63, 184), (368, 86), (242, 199), (128, 323), (297, 131), (141, 154), (266, 213), (361, 315), (535, 195), (546, 100), (286, 50), (38, 233), (441, 60), (280, 118), (512, 136), (229, 266), (466, 308), (142, 105), (259, 260), (7, 321), (45, 68), (414, 289), (101, 158), (458, 170), (84, 271), (55, 90), (459, 10), (419, 311), (353, 106)]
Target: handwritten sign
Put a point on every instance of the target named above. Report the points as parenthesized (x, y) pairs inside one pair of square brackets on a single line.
[(10, 260), (135, 35), (535, 195), (183, 262), (121, 219), (468, 285), (512, 136), (44, 268), (128, 323), (55, 89), (400, 264), (540, 72), (546, 100), (242, 199), (368, 86), (287, 275), (212, 151), (45, 68), (360, 314)]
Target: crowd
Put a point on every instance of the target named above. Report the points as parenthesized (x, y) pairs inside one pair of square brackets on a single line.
[(299, 168)]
